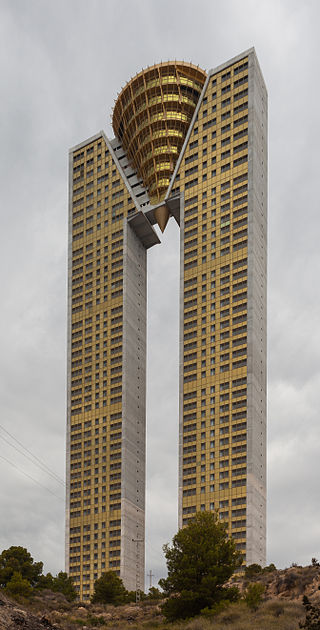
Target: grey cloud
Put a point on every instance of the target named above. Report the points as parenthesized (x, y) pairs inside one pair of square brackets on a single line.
[(62, 65)]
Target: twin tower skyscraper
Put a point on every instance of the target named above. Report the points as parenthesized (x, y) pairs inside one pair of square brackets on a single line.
[(190, 146)]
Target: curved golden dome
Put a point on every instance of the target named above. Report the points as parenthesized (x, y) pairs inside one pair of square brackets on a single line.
[(151, 118)]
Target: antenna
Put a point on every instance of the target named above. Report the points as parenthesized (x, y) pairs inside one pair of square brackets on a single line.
[(150, 576)]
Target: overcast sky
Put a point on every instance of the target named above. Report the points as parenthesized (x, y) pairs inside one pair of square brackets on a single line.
[(62, 64)]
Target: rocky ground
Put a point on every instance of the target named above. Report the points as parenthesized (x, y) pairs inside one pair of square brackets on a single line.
[(14, 616), (290, 583), (51, 611)]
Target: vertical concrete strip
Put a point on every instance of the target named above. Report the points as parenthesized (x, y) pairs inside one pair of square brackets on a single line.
[(257, 308), (134, 410), (67, 513), (181, 361)]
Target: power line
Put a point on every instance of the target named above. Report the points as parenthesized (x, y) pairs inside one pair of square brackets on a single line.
[(32, 478), (41, 464), (34, 456), (31, 460)]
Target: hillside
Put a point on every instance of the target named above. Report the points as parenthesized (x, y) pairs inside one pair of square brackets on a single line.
[(281, 609)]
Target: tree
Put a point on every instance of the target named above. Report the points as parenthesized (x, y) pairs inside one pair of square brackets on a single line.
[(19, 574), (154, 593), (17, 585), (19, 560), (130, 596), (46, 581), (200, 562), (252, 570), (64, 584), (109, 589), (59, 584), (253, 596), (269, 568)]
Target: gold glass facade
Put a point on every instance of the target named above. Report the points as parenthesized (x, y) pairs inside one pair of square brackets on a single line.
[(214, 178), (100, 203), (151, 118), (222, 177), (215, 186)]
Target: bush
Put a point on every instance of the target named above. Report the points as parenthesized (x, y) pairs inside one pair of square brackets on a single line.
[(92, 620), (252, 570), (59, 584), (312, 620), (64, 584), (154, 593), (215, 609), (109, 589), (130, 596), (269, 568), (18, 585), (253, 595), (276, 609)]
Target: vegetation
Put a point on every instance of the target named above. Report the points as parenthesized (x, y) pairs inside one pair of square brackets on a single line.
[(59, 584), (20, 575), (312, 620), (271, 615), (109, 589), (283, 611), (200, 561), (253, 595), (18, 585), (154, 593), (254, 570), (19, 560)]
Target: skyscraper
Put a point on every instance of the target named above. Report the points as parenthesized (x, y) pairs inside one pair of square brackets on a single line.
[(193, 146)]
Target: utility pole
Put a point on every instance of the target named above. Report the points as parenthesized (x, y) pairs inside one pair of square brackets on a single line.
[(150, 576), (138, 585)]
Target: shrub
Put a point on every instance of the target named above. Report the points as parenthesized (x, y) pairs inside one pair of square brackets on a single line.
[(269, 568), (253, 595), (252, 570), (18, 585), (312, 620), (109, 589), (154, 593), (64, 584), (130, 596), (215, 609), (92, 620), (276, 608), (59, 584)]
